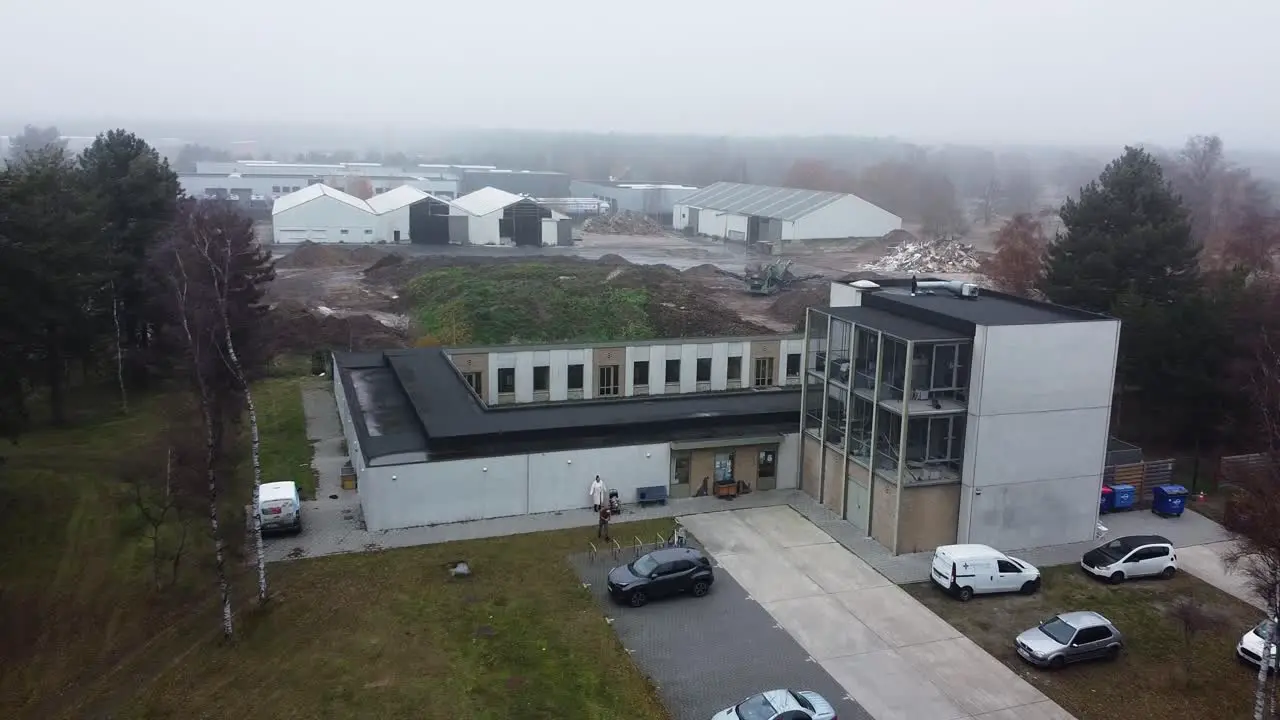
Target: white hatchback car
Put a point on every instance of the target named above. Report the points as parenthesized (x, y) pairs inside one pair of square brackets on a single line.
[(1250, 646), (1131, 557)]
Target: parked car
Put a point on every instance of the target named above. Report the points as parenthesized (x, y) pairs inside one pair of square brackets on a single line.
[(780, 705), (661, 573), (1130, 557), (1070, 637), (280, 507), (1250, 646), (968, 570)]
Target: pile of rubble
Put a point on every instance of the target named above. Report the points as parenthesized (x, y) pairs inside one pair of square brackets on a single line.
[(623, 223), (928, 256)]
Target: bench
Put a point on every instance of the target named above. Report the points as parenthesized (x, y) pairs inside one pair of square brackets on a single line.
[(654, 494)]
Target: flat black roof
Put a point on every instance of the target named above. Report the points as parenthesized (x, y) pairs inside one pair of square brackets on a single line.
[(898, 326), (989, 308), (386, 389)]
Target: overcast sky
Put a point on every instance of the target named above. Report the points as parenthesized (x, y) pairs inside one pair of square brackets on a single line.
[(1009, 71)]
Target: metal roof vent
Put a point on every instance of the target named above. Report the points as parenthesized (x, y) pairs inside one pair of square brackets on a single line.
[(864, 285), (963, 290)]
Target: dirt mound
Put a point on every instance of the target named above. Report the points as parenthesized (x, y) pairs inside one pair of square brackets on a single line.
[(296, 330), (705, 270), (899, 237), (385, 261), (612, 259), (790, 306), (315, 255)]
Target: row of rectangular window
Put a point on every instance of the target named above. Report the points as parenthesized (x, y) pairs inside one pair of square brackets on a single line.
[(609, 381)]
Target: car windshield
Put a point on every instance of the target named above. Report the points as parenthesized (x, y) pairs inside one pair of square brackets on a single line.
[(1059, 631), (1116, 550), (1264, 629), (643, 566), (756, 707)]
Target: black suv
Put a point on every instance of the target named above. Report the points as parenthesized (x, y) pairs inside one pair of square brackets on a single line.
[(660, 573)]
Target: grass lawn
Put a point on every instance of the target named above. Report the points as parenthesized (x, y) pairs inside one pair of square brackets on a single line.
[(390, 635), (386, 635), (1152, 678), (282, 426)]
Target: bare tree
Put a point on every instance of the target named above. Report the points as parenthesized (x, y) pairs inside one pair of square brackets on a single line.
[(1194, 619), (1255, 518), (163, 485), (1019, 258), (219, 238)]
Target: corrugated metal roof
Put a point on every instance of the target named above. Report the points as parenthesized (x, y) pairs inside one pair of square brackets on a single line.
[(311, 192), (396, 198), (486, 200), (760, 200)]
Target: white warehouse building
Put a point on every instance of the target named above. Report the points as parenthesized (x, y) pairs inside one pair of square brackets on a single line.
[(392, 208), (760, 213), (497, 217), (320, 214)]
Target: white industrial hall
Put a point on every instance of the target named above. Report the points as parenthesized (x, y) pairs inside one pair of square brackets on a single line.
[(762, 214)]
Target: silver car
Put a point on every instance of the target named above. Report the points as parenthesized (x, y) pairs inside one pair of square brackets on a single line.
[(1070, 637), (780, 705)]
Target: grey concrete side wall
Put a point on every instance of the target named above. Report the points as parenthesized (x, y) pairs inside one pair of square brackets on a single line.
[(1036, 437)]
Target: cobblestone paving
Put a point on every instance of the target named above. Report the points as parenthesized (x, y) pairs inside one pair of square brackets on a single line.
[(705, 654)]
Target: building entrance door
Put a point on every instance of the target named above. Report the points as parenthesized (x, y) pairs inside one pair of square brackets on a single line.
[(767, 469)]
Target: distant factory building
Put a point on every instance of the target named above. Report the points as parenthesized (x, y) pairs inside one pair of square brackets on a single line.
[(498, 217), (656, 200), (534, 183), (320, 214), (759, 213)]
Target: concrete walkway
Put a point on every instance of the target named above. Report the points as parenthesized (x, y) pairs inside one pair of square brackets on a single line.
[(1205, 562), (890, 653)]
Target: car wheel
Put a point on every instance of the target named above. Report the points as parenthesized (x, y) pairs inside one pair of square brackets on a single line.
[(1113, 652), (1057, 662), (700, 588), (966, 594), (1030, 587), (637, 599), (1168, 572), (1116, 578)]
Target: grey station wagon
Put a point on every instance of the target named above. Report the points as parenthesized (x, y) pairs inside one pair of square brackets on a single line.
[(1070, 637)]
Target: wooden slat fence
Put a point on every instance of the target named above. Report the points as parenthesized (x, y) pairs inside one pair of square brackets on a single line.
[(1142, 476)]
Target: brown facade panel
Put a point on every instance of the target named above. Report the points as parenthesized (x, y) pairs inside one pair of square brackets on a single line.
[(470, 362), (929, 517), (766, 348), (702, 467), (810, 466), (602, 357), (834, 482), (745, 468), (884, 520)]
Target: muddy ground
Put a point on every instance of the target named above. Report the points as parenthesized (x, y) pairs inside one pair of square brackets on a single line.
[(348, 296)]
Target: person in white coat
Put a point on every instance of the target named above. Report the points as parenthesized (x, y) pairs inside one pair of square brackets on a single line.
[(597, 494)]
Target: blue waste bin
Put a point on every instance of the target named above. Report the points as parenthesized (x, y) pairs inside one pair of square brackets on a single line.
[(1107, 502), (1169, 500), (1125, 496)]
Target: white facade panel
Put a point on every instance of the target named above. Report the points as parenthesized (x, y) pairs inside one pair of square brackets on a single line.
[(1049, 367), (559, 361), (712, 223), (483, 230), (788, 230), (524, 376), (550, 233), (1038, 423), (443, 492), (788, 470), (324, 219), (736, 227), (844, 295), (688, 368), (680, 217), (720, 366), (560, 480), (848, 217), (392, 222)]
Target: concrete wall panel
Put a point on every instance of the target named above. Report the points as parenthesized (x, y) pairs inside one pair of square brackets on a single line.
[(1036, 368), (560, 480)]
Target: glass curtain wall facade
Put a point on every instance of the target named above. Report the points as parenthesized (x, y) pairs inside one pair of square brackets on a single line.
[(896, 407)]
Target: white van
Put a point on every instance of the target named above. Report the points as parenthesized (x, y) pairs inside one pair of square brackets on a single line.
[(280, 507), (968, 570)]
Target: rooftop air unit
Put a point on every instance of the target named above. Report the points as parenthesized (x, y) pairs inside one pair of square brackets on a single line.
[(964, 290)]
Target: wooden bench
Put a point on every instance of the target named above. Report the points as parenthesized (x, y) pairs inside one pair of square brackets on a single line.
[(654, 494)]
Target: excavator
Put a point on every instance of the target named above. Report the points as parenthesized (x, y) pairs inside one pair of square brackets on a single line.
[(768, 279)]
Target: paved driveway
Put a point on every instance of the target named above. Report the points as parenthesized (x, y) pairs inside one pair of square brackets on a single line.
[(890, 653), (1205, 562), (705, 654)]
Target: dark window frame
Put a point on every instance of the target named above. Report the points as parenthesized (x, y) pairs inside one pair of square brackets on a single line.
[(667, 373), (636, 368), (580, 370), (700, 375), (735, 364), (506, 379), (797, 358), (546, 378)]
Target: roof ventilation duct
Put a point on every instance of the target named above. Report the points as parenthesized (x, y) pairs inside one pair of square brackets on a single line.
[(967, 291)]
